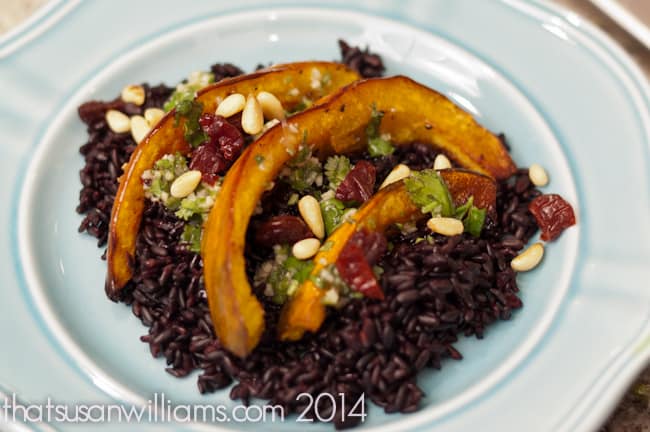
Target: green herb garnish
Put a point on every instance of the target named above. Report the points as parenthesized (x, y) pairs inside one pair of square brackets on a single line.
[(158, 180), (473, 217), (304, 170), (474, 221), (336, 169), (377, 146), (287, 274), (300, 269), (191, 110), (157, 186), (429, 192), (462, 211), (332, 211), (199, 203), (187, 90), (192, 236)]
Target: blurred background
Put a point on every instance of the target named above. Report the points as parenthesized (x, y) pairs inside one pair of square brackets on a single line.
[(627, 22)]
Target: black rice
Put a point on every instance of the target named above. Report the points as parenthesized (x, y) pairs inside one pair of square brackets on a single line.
[(436, 289), (368, 64)]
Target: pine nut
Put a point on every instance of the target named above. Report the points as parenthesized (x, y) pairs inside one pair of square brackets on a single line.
[(117, 121), (537, 175), (398, 173), (252, 119), (271, 106), (139, 128), (133, 94), (153, 116), (231, 105), (305, 249), (185, 184), (446, 226), (441, 162), (310, 211), (528, 259)]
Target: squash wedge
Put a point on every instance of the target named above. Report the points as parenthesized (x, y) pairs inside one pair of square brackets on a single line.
[(290, 83), (305, 311), (337, 124)]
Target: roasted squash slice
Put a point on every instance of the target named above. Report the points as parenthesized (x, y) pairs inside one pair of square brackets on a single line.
[(305, 311), (336, 124), (290, 83)]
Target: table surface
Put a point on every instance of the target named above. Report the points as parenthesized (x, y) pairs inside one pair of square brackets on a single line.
[(633, 412)]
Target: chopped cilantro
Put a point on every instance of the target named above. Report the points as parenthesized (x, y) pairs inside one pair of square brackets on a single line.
[(300, 268), (304, 153), (303, 170), (259, 159), (177, 98), (473, 217), (377, 146), (186, 91), (199, 202), (284, 274), (157, 186), (293, 199), (336, 169), (192, 132), (158, 180), (332, 211), (192, 236), (474, 221), (328, 278), (429, 192), (461, 211)]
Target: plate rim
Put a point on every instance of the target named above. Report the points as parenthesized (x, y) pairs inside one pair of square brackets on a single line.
[(115, 387), (609, 47)]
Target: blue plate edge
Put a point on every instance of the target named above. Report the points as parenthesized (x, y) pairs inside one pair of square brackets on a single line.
[(615, 53)]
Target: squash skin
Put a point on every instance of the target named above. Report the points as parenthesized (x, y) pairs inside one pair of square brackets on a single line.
[(336, 124), (392, 204), (167, 138)]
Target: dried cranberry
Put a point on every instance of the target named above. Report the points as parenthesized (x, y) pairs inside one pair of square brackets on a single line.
[(207, 159), (358, 184), (373, 244), (93, 112), (227, 137), (357, 272), (553, 215), (282, 230), (224, 145)]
